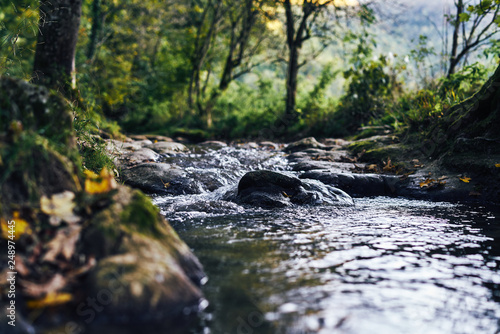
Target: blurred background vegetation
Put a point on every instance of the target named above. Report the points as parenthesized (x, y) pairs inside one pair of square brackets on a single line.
[(223, 68)]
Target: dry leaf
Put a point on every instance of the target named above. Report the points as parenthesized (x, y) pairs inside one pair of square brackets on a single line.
[(465, 179), (63, 243), (35, 290), (99, 184), (497, 165), (432, 183), (474, 193), (426, 183), (51, 299), (15, 230), (60, 208)]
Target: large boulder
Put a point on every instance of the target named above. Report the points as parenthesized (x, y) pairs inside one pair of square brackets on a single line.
[(272, 189), (161, 178), (80, 239), (146, 271)]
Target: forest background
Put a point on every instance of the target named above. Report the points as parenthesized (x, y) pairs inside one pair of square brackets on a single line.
[(229, 70)]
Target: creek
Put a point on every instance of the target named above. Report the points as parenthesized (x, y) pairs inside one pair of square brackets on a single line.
[(386, 265)]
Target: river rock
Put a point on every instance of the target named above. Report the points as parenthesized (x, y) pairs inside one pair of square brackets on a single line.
[(166, 147), (141, 155), (161, 178), (115, 147), (213, 144), (358, 185), (303, 144), (271, 189), (269, 145), (144, 272)]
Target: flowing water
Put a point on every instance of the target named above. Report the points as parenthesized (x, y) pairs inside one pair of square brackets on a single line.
[(387, 265)]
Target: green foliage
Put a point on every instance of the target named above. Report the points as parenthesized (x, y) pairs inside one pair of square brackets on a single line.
[(372, 86), (419, 110), (245, 112), (18, 33)]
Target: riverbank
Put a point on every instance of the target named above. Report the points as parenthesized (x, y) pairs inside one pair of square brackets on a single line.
[(375, 166)]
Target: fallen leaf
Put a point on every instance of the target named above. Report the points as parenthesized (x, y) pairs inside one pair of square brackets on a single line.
[(60, 208), (285, 194), (474, 193), (432, 183), (63, 243), (15, 230), (405, 176), (51, 299), (426, 183), (497, 165), (35, 290), (465, 179), (99, 184)]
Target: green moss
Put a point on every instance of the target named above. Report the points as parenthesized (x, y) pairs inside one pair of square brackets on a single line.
[(141, 215), (360, 146), (395, 152)]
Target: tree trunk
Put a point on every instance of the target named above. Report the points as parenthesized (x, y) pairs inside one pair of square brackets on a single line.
[(54, 64), (454, 47), (291, 81), (96, 29)]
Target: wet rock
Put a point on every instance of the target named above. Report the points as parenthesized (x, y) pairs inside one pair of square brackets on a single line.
[(271, 189), (270, 145), (161, 178), (139, 156), (157, 138), (303, 144), (144, 272), (249, 145), (138, 137), (115, 147), (336, 142), (213, 144), (358, 185), (143, 142), (165, 147)]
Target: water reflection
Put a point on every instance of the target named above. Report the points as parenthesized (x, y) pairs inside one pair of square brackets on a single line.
[(387, 266)]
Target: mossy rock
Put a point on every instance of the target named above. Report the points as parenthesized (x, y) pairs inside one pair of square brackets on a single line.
[(122, 229), (38, 154), (378, 148), (142, 263), (34, 108)]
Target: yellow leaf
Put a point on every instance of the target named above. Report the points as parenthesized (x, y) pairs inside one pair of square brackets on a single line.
[(51, 299), (497, 165), (285, 194), (465, 179), (60, 207), (99, 184), (16, 228), (426, 183)]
